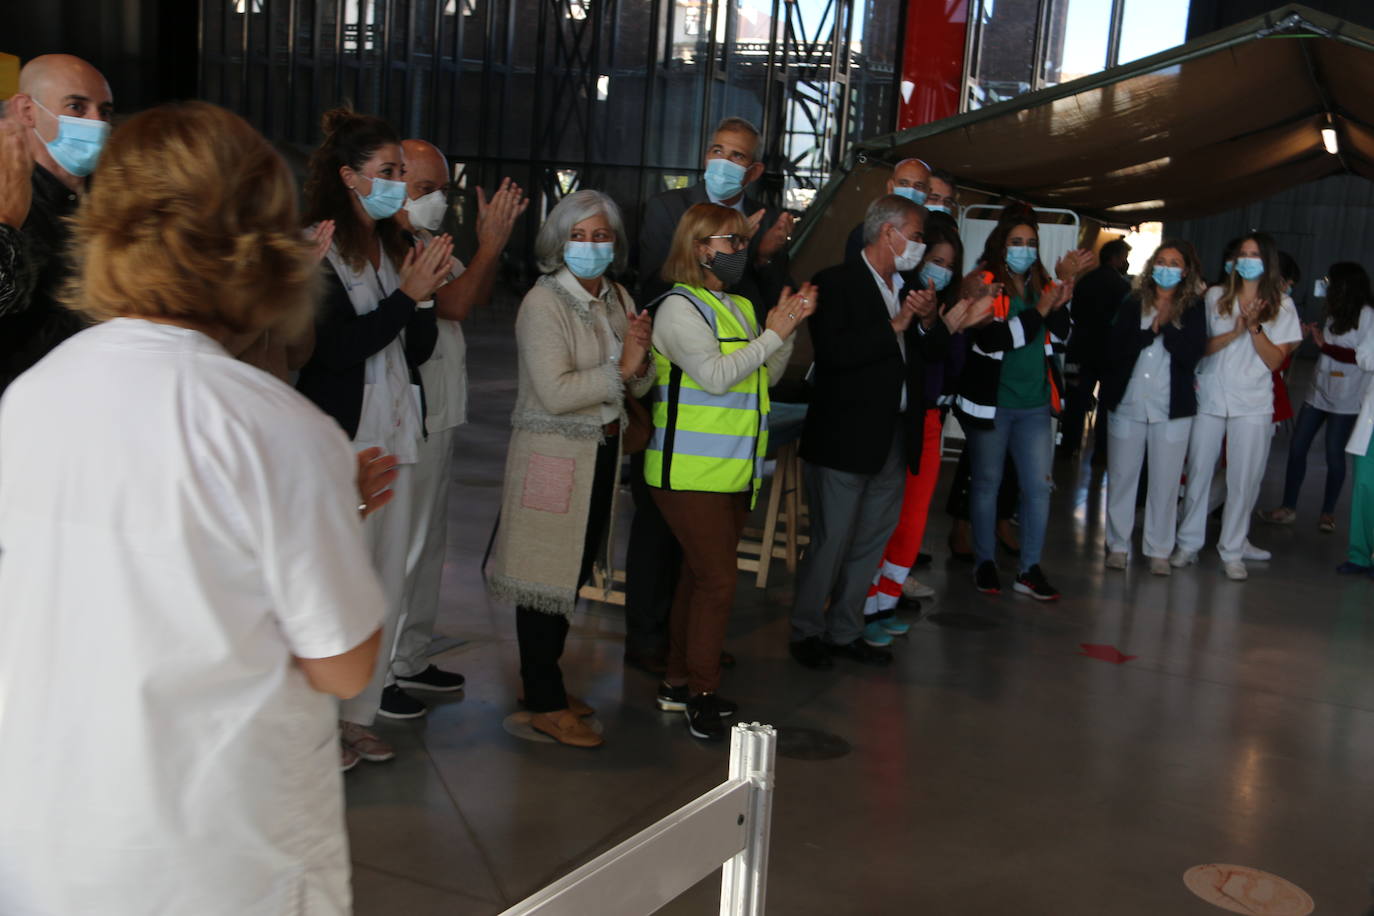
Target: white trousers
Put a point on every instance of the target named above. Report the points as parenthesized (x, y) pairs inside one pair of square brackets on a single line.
[(425, 561), (387, 532), (1166, 444), (1247, 454)]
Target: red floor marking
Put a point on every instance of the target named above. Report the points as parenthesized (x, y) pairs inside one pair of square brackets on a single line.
[(1103, 653)]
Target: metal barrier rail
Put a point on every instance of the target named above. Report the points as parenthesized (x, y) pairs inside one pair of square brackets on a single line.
[(729, 825)]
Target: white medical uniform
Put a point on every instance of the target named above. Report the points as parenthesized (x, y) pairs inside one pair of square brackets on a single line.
[(1339, 387), (1139, 425), (1235, 403), (175, 525), (390, 420), (445, 377)]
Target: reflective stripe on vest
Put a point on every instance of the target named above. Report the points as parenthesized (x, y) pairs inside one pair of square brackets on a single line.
[(704, 441)]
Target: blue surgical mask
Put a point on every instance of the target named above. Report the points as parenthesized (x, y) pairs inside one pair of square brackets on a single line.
[(934, 273), (78, 143), (1021, 257), (1167, 277), (724, 179), (1250, 268), (588, 260), (915, 195), (1229, 266), (939, 208), (385, 198)]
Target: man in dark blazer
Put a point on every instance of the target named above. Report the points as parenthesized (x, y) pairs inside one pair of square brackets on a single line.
[(731, 165), (860, 430), (653, 556)]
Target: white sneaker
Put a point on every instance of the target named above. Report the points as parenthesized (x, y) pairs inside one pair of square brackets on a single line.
[(1182, 557), (1116, 560), (911, 588), (1255, 554), (1236, 571), (1159, 566)]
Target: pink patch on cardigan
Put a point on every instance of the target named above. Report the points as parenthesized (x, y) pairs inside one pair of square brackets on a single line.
[(548, 484)]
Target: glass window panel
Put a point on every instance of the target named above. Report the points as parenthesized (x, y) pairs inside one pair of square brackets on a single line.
[(1076, 39), (1006, 50), (1151, 26)]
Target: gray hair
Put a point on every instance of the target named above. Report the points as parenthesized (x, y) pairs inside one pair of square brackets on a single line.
[(742, 126), (571, 210), (889, 209)]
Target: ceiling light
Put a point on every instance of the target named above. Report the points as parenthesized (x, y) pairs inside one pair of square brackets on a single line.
[(1329, 140)]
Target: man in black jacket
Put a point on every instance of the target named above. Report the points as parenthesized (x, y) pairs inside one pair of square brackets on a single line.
[(1096, 298), (860, 428), (51, 87), (653, 557)]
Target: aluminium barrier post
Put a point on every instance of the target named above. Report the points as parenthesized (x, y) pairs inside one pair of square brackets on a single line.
[(744, 883), (729, 824)]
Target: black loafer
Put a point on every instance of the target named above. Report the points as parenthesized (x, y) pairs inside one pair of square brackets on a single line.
[(812, 653), (861, 652)]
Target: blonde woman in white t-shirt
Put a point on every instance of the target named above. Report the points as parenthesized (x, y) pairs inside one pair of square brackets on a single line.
[(1337, 388), (1252, 326)]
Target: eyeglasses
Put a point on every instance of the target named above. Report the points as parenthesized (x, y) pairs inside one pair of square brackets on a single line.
[(736, 241)]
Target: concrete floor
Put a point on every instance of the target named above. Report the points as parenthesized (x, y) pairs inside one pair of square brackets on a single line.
[(991, 772)]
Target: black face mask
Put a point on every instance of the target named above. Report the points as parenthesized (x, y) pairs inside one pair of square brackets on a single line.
[(729, 268)]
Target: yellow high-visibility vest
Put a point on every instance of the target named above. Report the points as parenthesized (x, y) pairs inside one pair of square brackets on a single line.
[(703, 441)]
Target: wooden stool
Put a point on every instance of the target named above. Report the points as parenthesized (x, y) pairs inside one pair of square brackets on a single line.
[(783, 519)]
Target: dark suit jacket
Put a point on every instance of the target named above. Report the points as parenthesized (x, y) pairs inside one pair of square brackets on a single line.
[(857, 389), (760, 285), (1096, 298)]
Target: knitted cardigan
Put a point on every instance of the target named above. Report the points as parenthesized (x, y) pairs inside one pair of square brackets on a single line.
[(565, 374)]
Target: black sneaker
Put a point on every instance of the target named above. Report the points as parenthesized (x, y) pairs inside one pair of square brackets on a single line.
[(861, 652), (397, 704), (811, 653), (1033, 582), (986, 580), (704, 717), (674, 699), (432, 678), (922, 561)]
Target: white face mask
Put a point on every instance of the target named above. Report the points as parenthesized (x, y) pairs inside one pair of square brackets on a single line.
[(910, 256), (427, 212)]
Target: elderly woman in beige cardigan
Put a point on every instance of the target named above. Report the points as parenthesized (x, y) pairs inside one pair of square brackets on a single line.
[(581, 345)]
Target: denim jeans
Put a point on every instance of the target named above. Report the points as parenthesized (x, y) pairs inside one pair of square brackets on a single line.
[(1338, 427), (1026, 434)]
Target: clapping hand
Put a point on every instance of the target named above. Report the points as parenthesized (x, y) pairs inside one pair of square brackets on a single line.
[(1074, 264), (923, 303), (972, 311), (1318, 337), (775, 239), (1055, 296), (16, 165), (639, 340), (496, 218), (792, 309), (426, 267), (376, 473), (322, 237)]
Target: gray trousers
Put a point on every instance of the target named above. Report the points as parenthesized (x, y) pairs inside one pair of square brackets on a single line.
[(852, 517)]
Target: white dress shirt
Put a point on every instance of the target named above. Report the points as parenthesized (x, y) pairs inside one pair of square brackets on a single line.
[(892, 298)]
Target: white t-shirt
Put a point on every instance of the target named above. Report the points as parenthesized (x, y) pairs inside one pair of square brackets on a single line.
[(445, 374), (1338, 387), (175, 525), (1234, 381)]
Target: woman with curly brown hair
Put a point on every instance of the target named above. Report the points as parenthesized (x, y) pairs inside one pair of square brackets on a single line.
[(185, 547), (374, 329)]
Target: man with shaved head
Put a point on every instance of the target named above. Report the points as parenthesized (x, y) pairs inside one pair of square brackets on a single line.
[(910, 179), (444, 375), (64, 106)]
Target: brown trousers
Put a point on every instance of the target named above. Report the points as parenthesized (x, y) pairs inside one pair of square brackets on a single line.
[(708, 526)]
